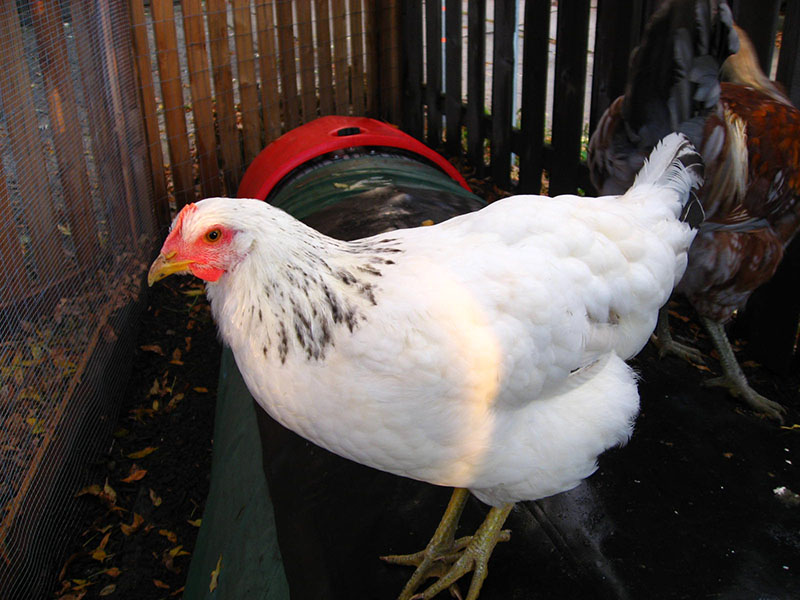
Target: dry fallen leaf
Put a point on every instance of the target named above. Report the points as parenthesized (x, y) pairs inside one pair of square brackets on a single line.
[(152, 348), (105, 493), (215, 575), (135, 474), (99, 553), (142, 453), (108, 590), (154, 498), (170, 535), (137, 522), (195, 523), (200, 390), (113, 572), (160, 584)]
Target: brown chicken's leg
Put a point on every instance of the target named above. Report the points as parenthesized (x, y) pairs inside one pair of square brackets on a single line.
[(734, 379), (667, 345), (448, 558)]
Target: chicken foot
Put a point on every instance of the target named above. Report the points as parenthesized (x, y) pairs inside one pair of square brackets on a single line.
[(448, 559), (733, 378), (666, 344)]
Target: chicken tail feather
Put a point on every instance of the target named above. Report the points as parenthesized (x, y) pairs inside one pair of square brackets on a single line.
[(675, 163)]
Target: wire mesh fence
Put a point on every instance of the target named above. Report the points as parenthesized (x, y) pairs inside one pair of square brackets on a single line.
[(78, 230)]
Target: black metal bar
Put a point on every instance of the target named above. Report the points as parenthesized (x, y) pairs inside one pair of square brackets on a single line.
[(412, 67), (433, 85), (502, 91), (760, 21), (789, 59), (572, 35), (453, 77), (534, 87), (476, 82)]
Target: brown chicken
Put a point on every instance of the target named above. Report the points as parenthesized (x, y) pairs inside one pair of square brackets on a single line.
[(748, 133)]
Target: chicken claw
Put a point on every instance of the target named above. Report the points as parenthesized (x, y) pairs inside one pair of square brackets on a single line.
[(448, 559), (666, 344)]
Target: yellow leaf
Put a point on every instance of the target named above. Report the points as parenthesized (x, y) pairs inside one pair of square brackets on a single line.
[(108, 590), (194, 292), (427, 223), (113, 572), (135, 474), (160, 584), (200, 390), (142, 453), (129, 529), (154, 498), (215, 575), (177, 551), (170, 535), (100, 553), (195, 523), (155, 348)]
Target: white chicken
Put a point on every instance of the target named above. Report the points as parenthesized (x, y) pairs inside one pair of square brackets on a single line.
[(484, 353)]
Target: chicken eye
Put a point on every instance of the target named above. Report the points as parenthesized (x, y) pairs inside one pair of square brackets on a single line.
[(213, 236)]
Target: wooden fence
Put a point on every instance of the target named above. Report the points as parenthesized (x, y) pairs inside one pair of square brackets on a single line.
[(242, 73)]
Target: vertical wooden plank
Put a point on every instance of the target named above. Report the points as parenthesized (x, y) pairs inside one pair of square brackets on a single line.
[(217, 16), (476, 81), (144, 75), (66, 129), (502, 91), (760, 21), (534, 86), (325, 70), (341, 74), (389, 65), (412, 70), (613, 45), (13, 276), (270, 98), (202, 106), (248, 90), (172, 96), (453, 63), (373, 56), (789, 59), (572, 36), (357, 46), (433, 81), (23, 138), (287, 59), (308, 93)]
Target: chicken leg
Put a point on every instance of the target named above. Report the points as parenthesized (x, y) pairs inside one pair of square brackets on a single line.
[(666, 343), (448, 558), (733, 378)]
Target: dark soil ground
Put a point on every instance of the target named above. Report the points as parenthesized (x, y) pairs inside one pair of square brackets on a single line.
[(144, 511), (140, 533)]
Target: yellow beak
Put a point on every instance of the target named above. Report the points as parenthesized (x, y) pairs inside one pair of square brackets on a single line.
[(163, 267)]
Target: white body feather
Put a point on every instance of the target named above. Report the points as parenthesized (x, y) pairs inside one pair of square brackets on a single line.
[(484, 352)]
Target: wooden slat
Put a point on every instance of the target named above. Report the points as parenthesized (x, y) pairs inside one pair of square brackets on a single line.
[(288, 65), (308, 92), (217, 16), (341, 71), (357, 44), (534, 86), (324, 58), (789, 59), (66, 129), (389, 37), (22, 124), (202, 106), (611, 54), (453, 77), (476, 82), (144, 74), (373, 60), (270, 98), (760, 21), (570, 83), (13, 276), (412, 86), (104, 146), (433, 80), (248, 87), (502, 92), (172, 96)]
